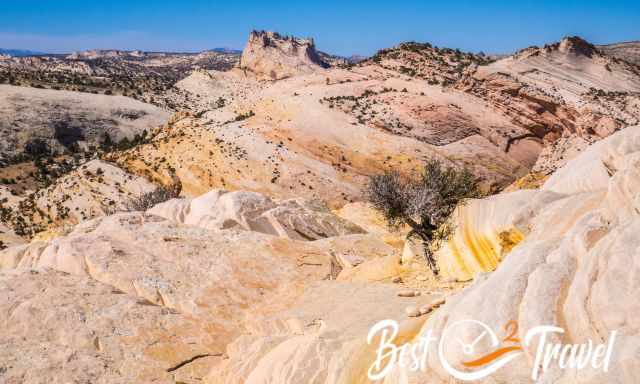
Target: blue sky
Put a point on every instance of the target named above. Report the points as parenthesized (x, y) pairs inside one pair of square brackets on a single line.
[(341, 27)]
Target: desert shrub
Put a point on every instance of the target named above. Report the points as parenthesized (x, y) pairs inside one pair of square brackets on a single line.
[(424, 203), (37, 148), (150, 199), (244, 116)]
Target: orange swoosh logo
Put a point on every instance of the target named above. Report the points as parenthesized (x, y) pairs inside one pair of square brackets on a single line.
[(490, 357)]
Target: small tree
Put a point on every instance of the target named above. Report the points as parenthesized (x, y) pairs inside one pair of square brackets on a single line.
[(424, 204)]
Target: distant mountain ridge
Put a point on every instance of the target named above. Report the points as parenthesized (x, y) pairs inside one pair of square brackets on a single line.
[(19, 52), (115, 53), (230, 51)]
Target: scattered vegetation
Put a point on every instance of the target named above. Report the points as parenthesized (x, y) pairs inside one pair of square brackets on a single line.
[(424, 61), (150, 199), (107, 144), (425, 203), (244, 116), (241, 117), (127, 76)]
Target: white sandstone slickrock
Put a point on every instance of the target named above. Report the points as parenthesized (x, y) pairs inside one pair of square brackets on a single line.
[(64, 328), (262, 302), (575, 267), (212, 282), (96, 188), (276, 352), (296, 219), (63, 118), (319, 133), (264, 291)]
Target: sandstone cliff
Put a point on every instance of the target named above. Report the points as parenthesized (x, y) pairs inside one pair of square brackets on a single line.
[(272, 56)]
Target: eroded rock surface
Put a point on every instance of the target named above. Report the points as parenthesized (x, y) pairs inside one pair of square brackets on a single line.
[(254, 282), (156, 299), (567, 90), (39, 121), (59, 327)]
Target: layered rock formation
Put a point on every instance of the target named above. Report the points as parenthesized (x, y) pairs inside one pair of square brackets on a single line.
[(317, 135), (272, 56), (296, 219), (574, 268), (292, 329), (564, 92), (628, 51)]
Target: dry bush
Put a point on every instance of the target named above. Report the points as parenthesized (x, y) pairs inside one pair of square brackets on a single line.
[(424, 204), (150, 199)]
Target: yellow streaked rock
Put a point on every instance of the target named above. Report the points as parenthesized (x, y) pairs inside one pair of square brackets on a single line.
[(484, 232)]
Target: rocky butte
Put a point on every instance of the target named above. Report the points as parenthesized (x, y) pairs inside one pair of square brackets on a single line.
[(231, 242), (272, 56)]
